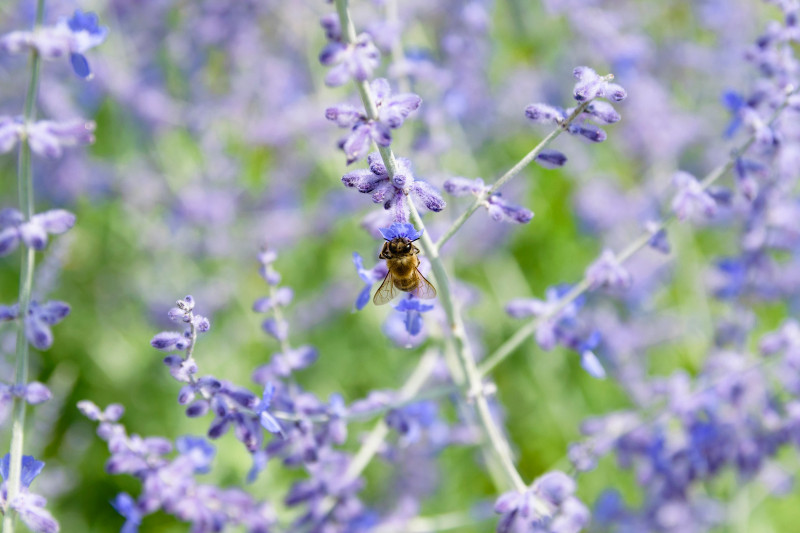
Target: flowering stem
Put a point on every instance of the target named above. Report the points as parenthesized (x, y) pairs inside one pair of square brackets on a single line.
[(508, 347), (463, 352), (379, 432), (513, 171), (25, 188)]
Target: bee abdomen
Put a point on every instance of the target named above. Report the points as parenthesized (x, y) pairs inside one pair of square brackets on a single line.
[(406, 284)]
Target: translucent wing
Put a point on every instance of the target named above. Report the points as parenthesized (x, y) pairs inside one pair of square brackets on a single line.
[(385, 292), (425, 289)]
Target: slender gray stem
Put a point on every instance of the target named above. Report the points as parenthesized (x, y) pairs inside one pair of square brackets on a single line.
[(513, 171), (508, 347), (25, 191)]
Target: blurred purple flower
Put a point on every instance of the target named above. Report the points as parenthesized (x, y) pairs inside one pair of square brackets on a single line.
[(392, 112), (29, 506), (691, 199), (607, 271), (369, 277), (33, 233), (69, 37), (349, 61), (37, 323), (412, 309)]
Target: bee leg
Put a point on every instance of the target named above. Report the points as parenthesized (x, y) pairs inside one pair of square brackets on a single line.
[(384, 251), (416, 250)]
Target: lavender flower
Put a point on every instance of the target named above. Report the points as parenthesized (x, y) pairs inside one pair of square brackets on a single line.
[(607, 271), (29, 506), (169, 484), (349, 60), (392, 112), (390, 191), (548, 505), (591, 86), (69, 37), (38, 321), (412, 309), (33, 233), (498, 209), (45, 137), (691, 199), (369, 277), (33, 393)]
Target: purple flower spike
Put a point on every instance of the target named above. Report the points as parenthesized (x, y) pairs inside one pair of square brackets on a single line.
[(396, 230), (606, 271), (691, 199)]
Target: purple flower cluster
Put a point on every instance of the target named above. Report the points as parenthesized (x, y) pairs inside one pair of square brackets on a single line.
[(392, 112), (391, 190), (349, 61), (590, 86), (170, 484), (559, 325), (38, 320)]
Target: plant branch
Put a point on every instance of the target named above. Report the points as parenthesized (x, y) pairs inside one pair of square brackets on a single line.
[(25, 191), (513, 171), (508, 347)]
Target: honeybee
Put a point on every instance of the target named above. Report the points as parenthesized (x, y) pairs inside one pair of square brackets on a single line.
[(403, 264)]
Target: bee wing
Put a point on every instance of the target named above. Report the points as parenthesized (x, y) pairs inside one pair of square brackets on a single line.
[(385, 292), (425, 289)]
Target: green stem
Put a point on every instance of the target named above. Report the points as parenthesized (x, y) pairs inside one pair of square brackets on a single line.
[(508, 347), (496, 438), (25, 187), (513, 171)]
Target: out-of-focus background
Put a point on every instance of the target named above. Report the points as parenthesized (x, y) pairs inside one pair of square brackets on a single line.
[(212, 142)]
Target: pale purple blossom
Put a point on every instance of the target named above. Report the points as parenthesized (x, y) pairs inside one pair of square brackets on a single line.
[(349, 60), (691, 199), (496, 206), (71, 38), (392, 112), (607, 271)]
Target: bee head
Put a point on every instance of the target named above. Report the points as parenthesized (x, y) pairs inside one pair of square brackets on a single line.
[(400, 245)]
